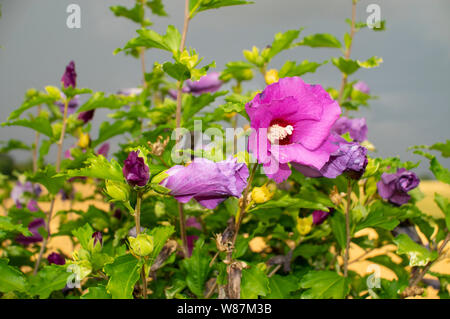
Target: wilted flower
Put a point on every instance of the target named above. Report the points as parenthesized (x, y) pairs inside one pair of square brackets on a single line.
[(25, 193), (319, 216), (395, 187), (208, 182), (69, 77), (135, 171), (159, 146), (356, 127), (33, 227), (103, 150), (57, 259), (362, 86), (86, 116), (292, 122), (192, 222)]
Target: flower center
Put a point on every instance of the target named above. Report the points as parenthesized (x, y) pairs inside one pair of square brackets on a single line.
[(279, 132)]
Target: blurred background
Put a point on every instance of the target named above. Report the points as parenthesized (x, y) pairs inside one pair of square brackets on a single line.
[(412, 84)]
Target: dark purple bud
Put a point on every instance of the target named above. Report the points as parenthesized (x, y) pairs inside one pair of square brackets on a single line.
[(69, 77), (103, 150), (98, 237), (395, 187), (57, 259), (33, 227), (135, 171), (319, 216), (32, 206), (86, 116)]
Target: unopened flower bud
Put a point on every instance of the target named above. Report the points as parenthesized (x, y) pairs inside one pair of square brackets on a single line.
[(117, 190), (263, 194), (84, 140), (271, 76), (304, 225), (141, 245)]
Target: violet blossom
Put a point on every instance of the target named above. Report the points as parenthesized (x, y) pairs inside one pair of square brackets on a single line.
[(25, 194), (361, 86), (135, 171), (208, 182), (356, 127), (33, 227), (291, 122), (395, 187)]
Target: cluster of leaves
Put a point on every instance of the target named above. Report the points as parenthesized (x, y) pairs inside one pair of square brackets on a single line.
[(291, 263)]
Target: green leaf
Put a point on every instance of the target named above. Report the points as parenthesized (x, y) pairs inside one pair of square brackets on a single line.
[(283, 41), (370, 63), (48, 279), (39, 124), (202, 5), (441, 147), (98, 167), (13, 145), (177, 70), (286, 201), (49, 178), (281, 287), (98, 100), (108, 130), (290, 68), (99, 292), (254, 283), (377, 219), (197, 267), (160, 236), (29, 103), (324, 285), (150, 39), (321, 40), (6, 224), (345, 66), (157, 8), (418, 255), (136, 14), (11, 279), (84, 235), (444, 206), (123, 274), (386, 261), (440, 172), (337, 223), (239, 70), (193, 104)]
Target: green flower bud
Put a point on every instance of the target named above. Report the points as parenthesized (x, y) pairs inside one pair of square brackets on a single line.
[(142, 245), (117, 190)]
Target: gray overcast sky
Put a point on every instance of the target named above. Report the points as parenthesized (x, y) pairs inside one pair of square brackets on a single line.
[(412, 83)]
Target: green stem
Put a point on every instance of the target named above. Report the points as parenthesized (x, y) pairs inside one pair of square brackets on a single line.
[(137, 219), (347, 227)]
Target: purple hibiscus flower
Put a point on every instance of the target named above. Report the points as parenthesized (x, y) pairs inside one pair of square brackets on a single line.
[(395, 187), (192, 222), (208, 182), (25, 194), (33, 227), (135, 170), (208, 83), (291, 123), (362, 86), (57, 259), (69, 77), (350, 158), (319, 216), (356, 127)]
